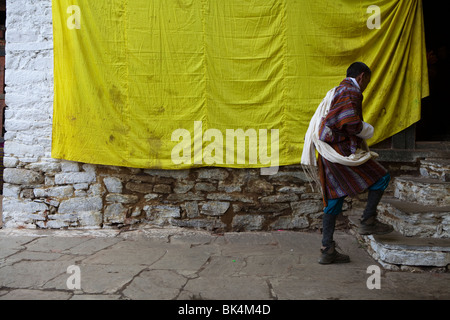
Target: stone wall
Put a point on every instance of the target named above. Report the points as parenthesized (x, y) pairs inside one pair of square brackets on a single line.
[(73, 195), (41, 192)]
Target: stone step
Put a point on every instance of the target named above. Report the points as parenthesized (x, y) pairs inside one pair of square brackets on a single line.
[(415, 219), (423, 190), (435, 168), (433, 145), (394, 251)]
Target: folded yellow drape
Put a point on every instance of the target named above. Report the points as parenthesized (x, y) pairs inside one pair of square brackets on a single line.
[(175, 84)]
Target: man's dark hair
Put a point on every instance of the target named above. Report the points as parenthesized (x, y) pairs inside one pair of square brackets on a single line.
[(356, 68)]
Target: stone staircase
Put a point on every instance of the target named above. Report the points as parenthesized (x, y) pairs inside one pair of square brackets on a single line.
[(419, 210)]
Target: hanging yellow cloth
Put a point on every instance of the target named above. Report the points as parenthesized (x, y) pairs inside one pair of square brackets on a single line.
[(175, 84)]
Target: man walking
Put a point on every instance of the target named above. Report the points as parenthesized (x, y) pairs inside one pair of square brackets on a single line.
[(345, 131)]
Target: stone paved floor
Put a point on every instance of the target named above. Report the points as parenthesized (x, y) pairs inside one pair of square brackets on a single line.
[(180, 264)]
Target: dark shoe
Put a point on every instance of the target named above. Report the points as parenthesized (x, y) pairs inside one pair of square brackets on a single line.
[(330, 255), (373, 226)]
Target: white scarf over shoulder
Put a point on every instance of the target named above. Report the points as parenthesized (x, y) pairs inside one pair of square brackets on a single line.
[(313, 143)]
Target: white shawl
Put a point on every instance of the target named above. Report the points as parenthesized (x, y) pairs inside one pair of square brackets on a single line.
[(313, 143)]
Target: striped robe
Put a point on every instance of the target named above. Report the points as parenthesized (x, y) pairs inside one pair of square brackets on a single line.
[(339, 128)]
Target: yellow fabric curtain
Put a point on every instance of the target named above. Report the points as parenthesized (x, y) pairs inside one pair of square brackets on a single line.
[(176, 84)]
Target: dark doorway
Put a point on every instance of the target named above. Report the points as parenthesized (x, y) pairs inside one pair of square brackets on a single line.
[(434, 124)]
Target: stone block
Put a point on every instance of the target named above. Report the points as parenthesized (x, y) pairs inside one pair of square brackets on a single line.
[(289, 189), (13, 206), (307, 207), (57, 192), (10, 162), (248, 222), (81, 186), (214, 208), (90, 219), (414, 219), (414, 258), (74, 205), (11, 190), (422, 190), (113, 184), (183, 186), (205, 186), (435, 168), (273, 208), (89, 167), (259, 186), (191, 208), (26, 193), (68, 217), (290, 222), (151, 196), (139, 187), (122, 198), (175, 174), (213, 174), (18, 219), (22, 150), (208, 224), (230, 197), (70, 166), (162, 211), (49, 167), (115, 213), (289, 176), (22, 176), (162, 188), (279, 198), (74, 177), (96, 189), (52, 224), (229, 187), (398, 250), (181, 197)]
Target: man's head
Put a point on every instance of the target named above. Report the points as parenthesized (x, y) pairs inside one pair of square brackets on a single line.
[(361, 72)]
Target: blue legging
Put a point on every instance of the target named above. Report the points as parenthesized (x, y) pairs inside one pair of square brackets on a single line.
[(334, 206)]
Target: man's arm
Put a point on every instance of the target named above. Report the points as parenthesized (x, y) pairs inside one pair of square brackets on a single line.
[(366, 132)]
